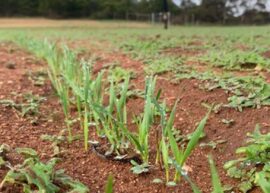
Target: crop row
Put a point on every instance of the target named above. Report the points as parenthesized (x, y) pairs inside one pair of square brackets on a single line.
[(101, 110)]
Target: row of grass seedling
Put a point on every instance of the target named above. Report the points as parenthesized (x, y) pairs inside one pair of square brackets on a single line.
[(76, 85)]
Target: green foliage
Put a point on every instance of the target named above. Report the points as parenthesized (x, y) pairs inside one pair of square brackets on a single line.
[(178, 155), (165, 158), (77, 87), (34, 175), (56, 141), (113, 118), (247, 91), (109, 185), (139, 168), (140, 140), (263, 182), (4, 149), (161, 65), (216, 183), (27, 105), (217, 186), (37, 77), (181, 155), (119, 74), (254, 161), (71, 78), (62, 66), (236, 59), (258, 93)]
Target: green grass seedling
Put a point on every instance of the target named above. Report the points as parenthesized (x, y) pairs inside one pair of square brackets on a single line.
[(252, 163), (263, 182), (64, 98), (181, 155), (140, 140), (217, 186), (86, 86), (165, 156), (109, 185), (216, 183)]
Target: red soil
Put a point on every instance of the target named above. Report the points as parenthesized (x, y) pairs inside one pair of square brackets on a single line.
[(91, 169)]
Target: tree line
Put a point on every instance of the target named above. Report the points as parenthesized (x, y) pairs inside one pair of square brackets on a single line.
[(100, 9), (224, 12), (208, 11)]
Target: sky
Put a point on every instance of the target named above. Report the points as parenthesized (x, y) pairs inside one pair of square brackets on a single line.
[(178, 2)]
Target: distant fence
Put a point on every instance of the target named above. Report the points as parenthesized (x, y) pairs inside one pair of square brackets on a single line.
[(153, 18), (192, 19)]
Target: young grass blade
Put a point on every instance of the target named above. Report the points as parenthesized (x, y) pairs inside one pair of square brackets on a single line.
[(174, 146), (158, 94), (85, 129), (194, 187), (136, 142), (79, 109), (144, 129), (263, 183), (109, 185), (162, 111), (170, 122), (123, 97), (194, 139), (165, 155), (140, 141), (86, 100), (177, 153), (217, 187)]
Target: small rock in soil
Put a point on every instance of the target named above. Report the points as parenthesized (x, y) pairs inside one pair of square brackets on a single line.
[(11, 65)]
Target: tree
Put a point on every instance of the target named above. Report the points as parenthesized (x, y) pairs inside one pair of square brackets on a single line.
[(186, 4), (209, 11), (28, 7), (239, 7), (8, 7), (212, 11)]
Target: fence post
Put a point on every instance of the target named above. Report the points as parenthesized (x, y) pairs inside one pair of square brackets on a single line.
[(153, 18), (169, 18), (127, 15)]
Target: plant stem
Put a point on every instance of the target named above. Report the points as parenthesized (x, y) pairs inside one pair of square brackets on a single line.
[(86, 129)]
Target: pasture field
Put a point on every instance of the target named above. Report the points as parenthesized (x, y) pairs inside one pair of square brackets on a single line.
[(89, 106)]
